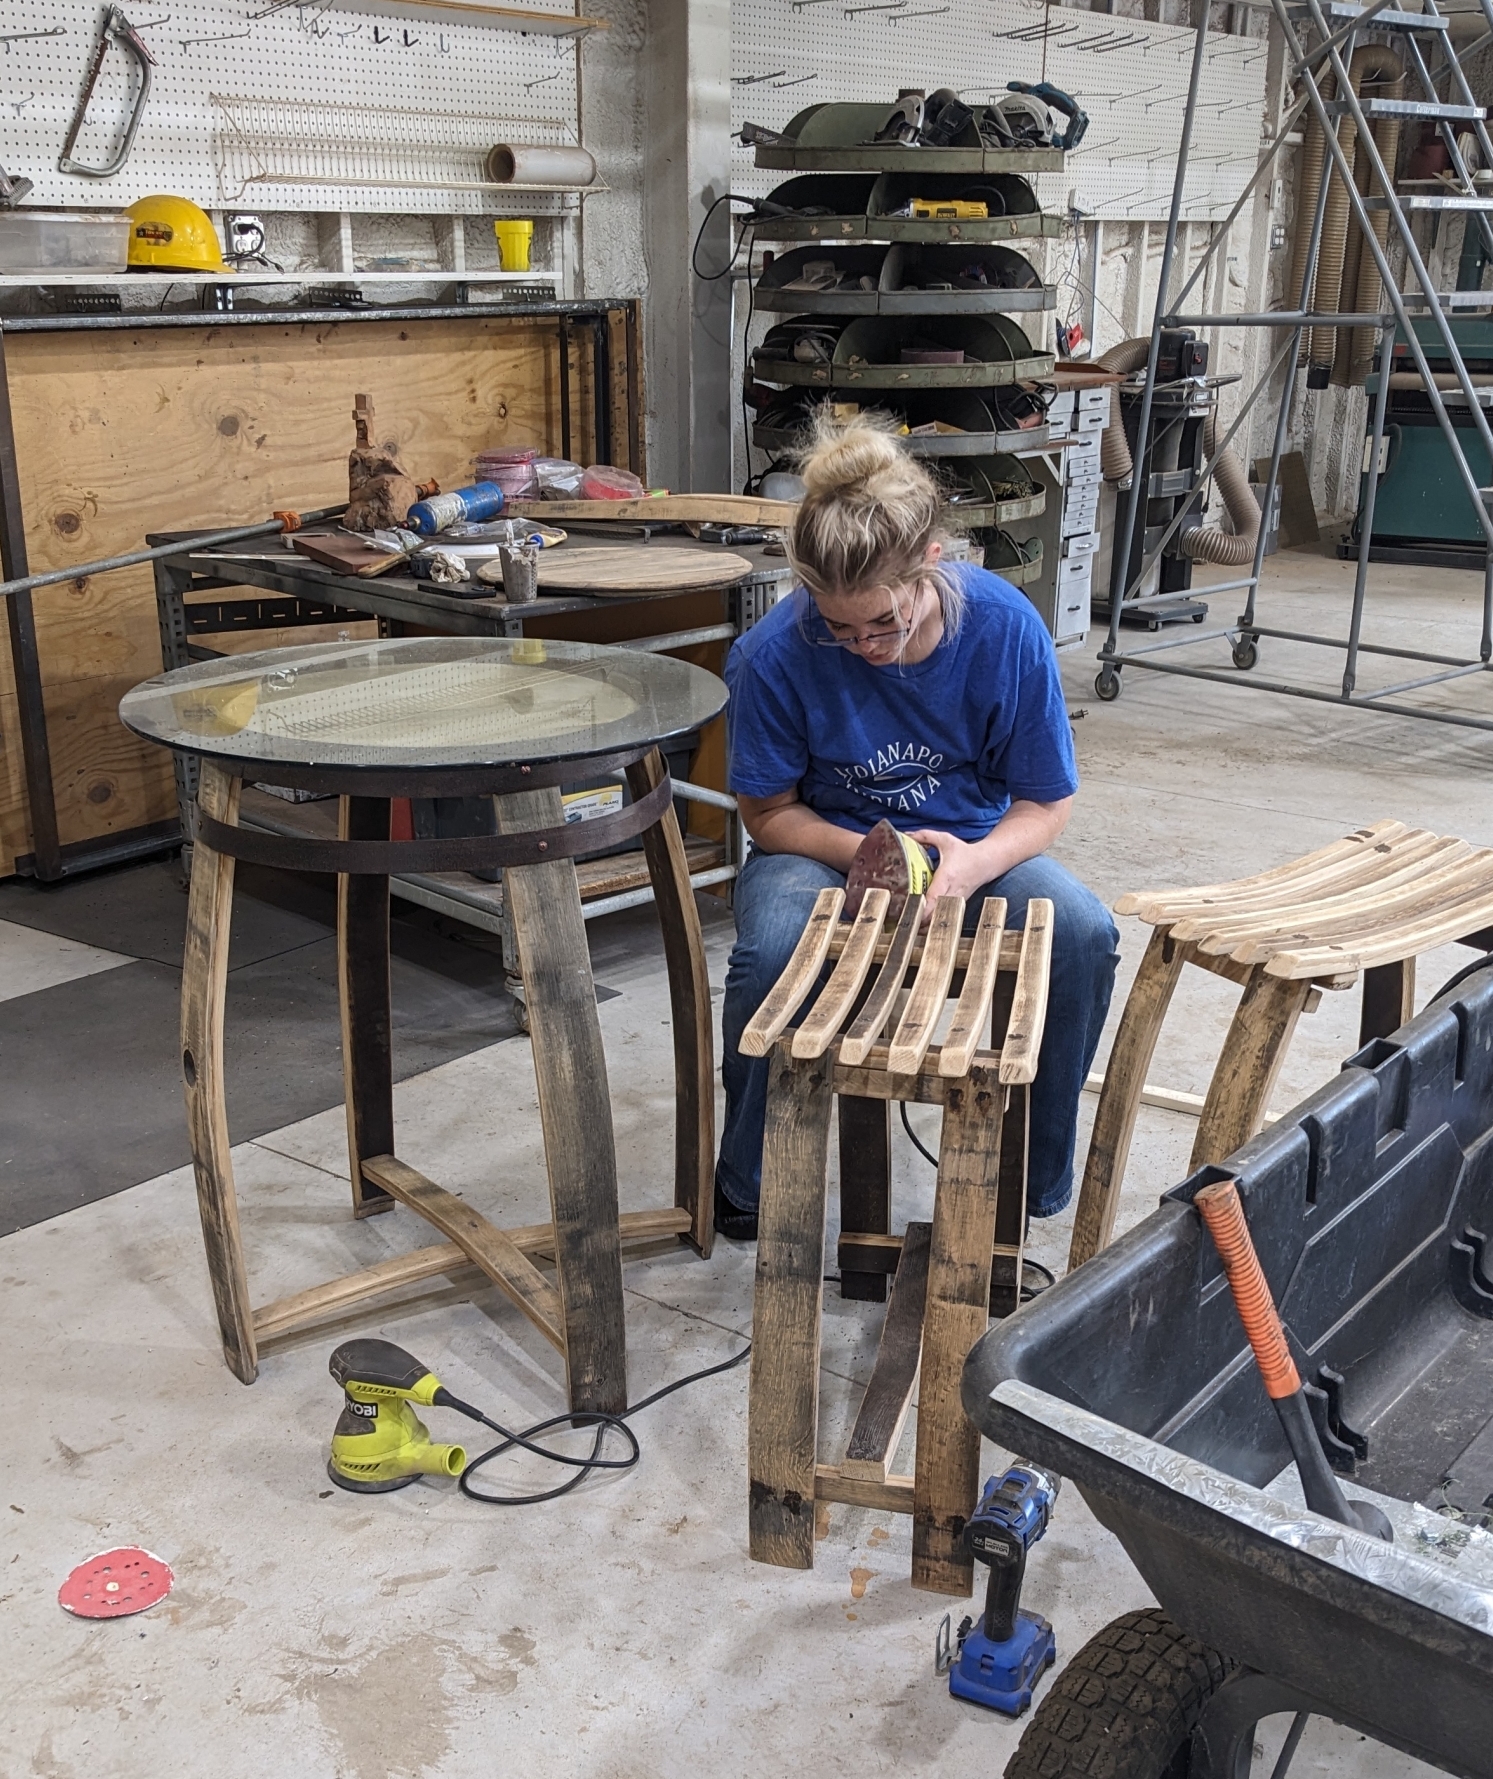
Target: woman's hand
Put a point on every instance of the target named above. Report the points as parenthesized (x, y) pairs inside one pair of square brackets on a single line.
[(962, 868)]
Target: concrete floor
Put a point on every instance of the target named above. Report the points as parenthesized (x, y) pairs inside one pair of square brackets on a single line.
[(622, 1632)]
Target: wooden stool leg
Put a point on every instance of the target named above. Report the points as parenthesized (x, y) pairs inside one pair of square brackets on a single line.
[(363, 988), (947, 1476), (1119, 1100), (1249, 1064), (575, 1108), (1010, 1204), (865, 1186), (689, 1005), (204, 985), (1388, 999), (783, 1401)]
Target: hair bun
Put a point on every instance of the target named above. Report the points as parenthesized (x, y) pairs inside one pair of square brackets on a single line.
[(848, 457)]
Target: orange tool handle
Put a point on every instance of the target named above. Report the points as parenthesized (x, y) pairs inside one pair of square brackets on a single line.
[(1221, 1210), (288, 521)]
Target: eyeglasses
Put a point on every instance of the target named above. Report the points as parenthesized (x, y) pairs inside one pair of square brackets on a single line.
[(896, 633)]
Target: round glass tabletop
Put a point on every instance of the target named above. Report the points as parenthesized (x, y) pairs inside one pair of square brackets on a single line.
[(427, 701)]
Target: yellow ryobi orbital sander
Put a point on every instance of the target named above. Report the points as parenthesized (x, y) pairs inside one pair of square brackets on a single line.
[(380, 1443), (890, 860)]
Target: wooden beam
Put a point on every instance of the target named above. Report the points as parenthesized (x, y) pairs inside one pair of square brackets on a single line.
[(1023, 1041), (819, 1029), (884, 1407), (792, 988), (286, 1314), (972, 1014), (873, 1016), (947, 1470), (787, 1309), (895, 1495), (497, 1254), (930, 988)]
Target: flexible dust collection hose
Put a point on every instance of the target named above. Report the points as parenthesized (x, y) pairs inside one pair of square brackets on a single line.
[(1204, 543), (1221, 1211)]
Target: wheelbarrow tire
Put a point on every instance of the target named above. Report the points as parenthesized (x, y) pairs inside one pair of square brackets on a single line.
[(1125, 1705)]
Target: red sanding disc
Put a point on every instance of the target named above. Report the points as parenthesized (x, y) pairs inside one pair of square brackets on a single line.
[(115, 1583)]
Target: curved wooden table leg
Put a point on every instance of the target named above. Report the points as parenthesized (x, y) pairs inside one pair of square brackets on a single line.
[(946, 1480), (204, 985), (575, 1107), (689, 1005), (1248, 1065), (1119, 1099), (363, 990), (787, 1307)]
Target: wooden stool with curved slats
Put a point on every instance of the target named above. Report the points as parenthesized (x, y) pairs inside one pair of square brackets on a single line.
[(1365, 906), (858, 1042)]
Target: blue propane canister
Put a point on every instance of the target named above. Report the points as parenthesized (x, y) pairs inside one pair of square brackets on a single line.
[(483, 500)]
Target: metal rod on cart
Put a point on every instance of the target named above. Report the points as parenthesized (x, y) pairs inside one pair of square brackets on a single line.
[(1366, 648), (1138, 474), (1432, 679), (1366, 518), (1279, 318), (204, 540), (1356, 702)]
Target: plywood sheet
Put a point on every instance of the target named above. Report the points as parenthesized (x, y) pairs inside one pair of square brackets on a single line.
[(121, 433)]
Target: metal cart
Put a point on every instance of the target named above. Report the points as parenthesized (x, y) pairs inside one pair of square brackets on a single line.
[(1370, 1207)]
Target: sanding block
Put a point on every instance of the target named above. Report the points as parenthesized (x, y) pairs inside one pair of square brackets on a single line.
[(890, 860)]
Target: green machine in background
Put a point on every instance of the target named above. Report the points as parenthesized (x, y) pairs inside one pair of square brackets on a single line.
[(1422, 514)]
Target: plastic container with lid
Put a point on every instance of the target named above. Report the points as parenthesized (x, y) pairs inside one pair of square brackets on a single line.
[(64, 240)]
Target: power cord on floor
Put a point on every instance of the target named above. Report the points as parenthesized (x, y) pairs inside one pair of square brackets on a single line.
[(584, 1465)]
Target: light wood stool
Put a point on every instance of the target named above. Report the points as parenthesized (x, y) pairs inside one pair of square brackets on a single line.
[(1365, 906), (941, 1290)]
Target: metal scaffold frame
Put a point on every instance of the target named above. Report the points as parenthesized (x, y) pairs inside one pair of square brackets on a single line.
[(1332, 54)]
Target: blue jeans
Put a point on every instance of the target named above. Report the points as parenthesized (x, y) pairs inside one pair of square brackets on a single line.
[(774, 895)]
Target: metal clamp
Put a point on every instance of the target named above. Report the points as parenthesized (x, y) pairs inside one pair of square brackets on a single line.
[(116, 29)]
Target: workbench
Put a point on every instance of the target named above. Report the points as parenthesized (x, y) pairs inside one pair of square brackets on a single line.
[(202, 595)]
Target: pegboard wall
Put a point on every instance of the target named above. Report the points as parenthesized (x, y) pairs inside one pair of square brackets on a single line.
[(285, 108), (1130, 76)]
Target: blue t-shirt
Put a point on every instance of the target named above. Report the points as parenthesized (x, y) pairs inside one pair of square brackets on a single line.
[(947, 743)]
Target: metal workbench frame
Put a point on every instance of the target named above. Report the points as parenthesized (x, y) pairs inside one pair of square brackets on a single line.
[(1333, 51), (51, 860)]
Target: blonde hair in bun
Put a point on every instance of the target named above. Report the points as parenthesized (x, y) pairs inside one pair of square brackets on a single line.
[(869, 512)]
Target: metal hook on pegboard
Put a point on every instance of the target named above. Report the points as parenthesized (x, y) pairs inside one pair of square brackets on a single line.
[(928, 12), (26, 36), (757, 79), (800, 80)]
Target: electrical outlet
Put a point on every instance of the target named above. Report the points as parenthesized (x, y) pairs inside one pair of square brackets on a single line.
[(1277, 236)]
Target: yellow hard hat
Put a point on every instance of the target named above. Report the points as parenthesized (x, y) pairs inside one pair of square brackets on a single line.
[(172, 235)]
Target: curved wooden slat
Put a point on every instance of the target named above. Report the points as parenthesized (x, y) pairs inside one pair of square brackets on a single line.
[(972, 1015), (930, 988), (817, 1032), (1029, 1005), (878, 1008), (1165, 906), (1389, 946), (1374, 915), (791, 989)]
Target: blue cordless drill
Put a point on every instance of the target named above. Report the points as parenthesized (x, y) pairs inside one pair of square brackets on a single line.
[(1000, 1661)]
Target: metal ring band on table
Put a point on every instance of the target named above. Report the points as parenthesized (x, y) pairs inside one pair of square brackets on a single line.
[(475, 852), (427, 781)]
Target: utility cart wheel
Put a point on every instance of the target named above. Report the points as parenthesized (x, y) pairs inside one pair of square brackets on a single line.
[(1125, 1706), (1107, 684), (1246, 653)]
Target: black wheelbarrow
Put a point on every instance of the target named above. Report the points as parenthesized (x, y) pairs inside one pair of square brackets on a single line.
[(1370, 1206)]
